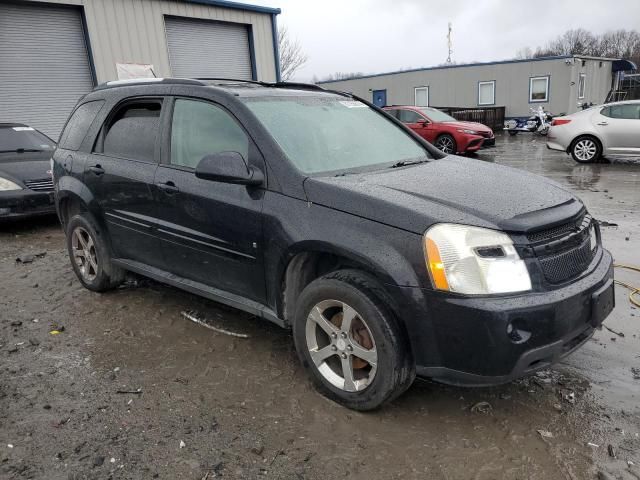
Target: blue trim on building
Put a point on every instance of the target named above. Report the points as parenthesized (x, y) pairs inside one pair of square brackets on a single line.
[(276, 49), (87, 43), (445, 67), (237, 6)]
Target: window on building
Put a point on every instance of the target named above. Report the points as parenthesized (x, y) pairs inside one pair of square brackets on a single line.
[(487, 93), (199, 129), (628, 111), (581, 84), (422, 96), (539, 89), (132, 132), (409, 116)]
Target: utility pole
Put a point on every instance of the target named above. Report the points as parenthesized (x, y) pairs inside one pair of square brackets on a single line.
[(449, 43)]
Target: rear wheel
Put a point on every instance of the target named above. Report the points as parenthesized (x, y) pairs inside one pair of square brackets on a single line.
[(586, 149), (89, 254), (349, 342), (446, 143)]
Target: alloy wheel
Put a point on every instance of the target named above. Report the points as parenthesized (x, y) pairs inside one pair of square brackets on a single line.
[(84, 254), (341, 345), (445, 144), (585, 150)]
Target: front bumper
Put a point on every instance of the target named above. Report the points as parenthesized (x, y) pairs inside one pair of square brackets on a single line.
[(471, 143), (17, 204), (465, 340)]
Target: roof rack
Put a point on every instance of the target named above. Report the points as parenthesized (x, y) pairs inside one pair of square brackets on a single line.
[(308, 86), (202, 81), (148, 81)]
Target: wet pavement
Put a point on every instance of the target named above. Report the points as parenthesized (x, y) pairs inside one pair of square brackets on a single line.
[(131, 390)]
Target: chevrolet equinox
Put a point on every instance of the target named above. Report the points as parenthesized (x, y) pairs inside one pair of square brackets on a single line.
[(319, 212)]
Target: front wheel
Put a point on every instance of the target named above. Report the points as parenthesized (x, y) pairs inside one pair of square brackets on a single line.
[(447, 144), (586, 149), (513, 133), (350, 343)]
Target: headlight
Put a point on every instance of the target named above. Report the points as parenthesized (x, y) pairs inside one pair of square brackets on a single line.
[(474, 260), (471, 132), (6, 185)]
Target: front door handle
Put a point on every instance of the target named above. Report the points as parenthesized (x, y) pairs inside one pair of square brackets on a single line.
[(97, 169), (603, 123), (168, 187)]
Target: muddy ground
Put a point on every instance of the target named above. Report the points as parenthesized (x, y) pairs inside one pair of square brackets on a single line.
[(204, 405)]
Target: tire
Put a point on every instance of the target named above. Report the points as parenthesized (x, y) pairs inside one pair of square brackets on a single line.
[(447, 144), (586, 149), (513, 133), (90, 254), (374, 334)]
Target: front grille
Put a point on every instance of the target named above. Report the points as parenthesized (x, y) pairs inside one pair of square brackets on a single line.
[(560, 230), (564, 266), (41, 185)]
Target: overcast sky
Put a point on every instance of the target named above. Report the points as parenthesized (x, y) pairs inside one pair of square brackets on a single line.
[(384, 35)]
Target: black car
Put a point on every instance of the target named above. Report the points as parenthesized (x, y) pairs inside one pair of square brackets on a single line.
[(26, 186), (318, 211)]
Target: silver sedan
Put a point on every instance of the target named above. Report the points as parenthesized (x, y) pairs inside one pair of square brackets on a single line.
[(611, 129)]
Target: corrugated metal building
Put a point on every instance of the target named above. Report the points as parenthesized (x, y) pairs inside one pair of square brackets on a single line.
[(54, 51), (558, 84)]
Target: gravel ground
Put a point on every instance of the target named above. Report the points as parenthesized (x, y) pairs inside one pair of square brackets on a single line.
[(129, 389)]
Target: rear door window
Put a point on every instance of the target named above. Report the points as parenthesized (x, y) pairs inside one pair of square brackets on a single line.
[(132, 131), (79, 124), (627, 112)]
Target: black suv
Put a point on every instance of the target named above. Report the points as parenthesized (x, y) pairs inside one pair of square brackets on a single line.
[(318, 211)]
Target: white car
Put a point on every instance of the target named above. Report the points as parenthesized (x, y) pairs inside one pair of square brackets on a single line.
[(612, 129)]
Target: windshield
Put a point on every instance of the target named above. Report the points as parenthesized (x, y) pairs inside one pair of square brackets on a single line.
[(330, 133), (17, 138), (437, 116)]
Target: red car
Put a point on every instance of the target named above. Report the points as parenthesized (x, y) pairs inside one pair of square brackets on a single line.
[(442, 130)]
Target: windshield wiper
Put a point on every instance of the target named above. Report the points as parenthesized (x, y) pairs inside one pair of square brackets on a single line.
[(404, 163), (21, 150)]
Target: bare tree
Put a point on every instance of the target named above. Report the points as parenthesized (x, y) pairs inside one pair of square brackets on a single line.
[(612, 44), (291, 55)]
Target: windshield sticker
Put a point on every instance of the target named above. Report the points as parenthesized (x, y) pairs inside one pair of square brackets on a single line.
[(23, 129), (353, 104)]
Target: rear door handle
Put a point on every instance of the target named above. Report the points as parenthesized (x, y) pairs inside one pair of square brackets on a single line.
[(168, 187), (97, 169), (603, 123)]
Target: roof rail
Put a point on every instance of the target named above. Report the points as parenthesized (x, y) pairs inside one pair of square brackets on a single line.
[(308, 86), (148, 81)]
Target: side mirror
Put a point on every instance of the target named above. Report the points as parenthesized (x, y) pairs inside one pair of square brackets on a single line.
[(228, 167), (425, 123)]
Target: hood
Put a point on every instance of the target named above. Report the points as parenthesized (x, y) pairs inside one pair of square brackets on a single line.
[(25, 166), (453, 189), (471, 126)]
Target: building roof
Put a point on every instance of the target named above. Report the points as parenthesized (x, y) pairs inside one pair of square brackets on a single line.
[(237, 6), (476, 64)]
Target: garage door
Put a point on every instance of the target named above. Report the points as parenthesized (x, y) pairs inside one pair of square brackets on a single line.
[(44, 66), (201, 48)]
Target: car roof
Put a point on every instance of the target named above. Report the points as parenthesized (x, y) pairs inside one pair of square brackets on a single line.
[(236, 87)]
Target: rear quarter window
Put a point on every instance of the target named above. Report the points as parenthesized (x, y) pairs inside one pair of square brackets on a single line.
[(79, 124)]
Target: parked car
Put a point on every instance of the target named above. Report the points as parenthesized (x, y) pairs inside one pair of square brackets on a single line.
[(444, 131), (611, 129), (26, 186), (314, 210)]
